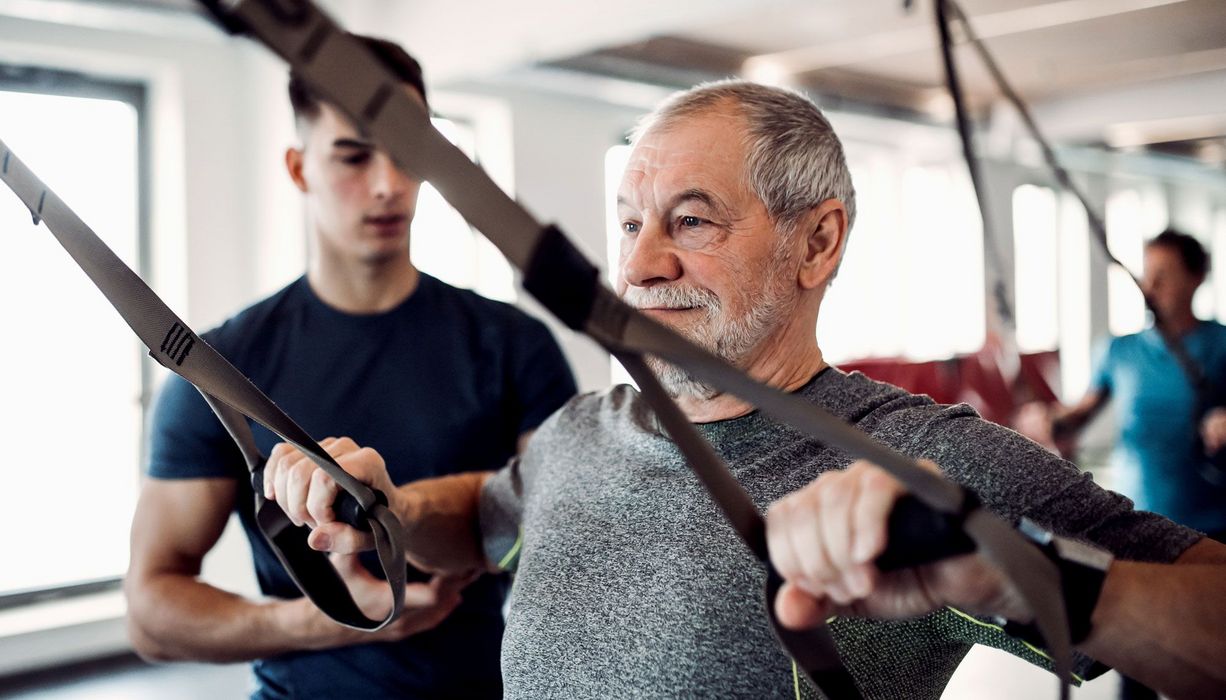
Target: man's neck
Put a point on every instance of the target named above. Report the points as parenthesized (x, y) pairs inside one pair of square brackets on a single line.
[(786, 364), (1180, 324), (363, 288)]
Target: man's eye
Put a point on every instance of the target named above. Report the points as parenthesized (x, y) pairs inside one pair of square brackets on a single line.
[(356, 158), (630, 227), (691, 221)]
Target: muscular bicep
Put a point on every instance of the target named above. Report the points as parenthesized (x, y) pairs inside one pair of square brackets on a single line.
[(177, 522)]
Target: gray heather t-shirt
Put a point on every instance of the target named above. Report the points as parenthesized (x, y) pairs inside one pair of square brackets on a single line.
[(629, 583)]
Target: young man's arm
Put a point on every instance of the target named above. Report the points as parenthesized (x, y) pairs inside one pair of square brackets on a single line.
[(440, 515), (172, 615)]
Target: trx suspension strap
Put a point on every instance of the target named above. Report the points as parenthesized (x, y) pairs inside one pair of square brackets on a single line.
[(231, 396), (1214, 468), (1002, 320), (339, 68)]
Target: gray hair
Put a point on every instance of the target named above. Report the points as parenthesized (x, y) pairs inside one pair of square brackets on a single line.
[(795, 159)]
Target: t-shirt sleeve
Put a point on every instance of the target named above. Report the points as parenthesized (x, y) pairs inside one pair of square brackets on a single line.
[(1017, 478), (543, 379), (500, 514), (1100, 368), (186, 441)]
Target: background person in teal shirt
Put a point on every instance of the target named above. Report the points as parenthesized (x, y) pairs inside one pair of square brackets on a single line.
[(1164, 428)]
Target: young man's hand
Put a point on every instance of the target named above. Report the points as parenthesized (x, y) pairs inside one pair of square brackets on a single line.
[(306, 493)]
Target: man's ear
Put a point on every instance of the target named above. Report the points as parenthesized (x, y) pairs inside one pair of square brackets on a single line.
[(824, 229), (293, 164)]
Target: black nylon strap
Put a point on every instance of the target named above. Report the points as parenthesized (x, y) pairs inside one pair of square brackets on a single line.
[(231, 396), (561, 278), (339, 68)]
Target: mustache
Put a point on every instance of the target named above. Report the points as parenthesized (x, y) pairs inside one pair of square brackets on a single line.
[(671, 297)]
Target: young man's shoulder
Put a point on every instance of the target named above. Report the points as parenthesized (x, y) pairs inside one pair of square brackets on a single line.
[(495, 321)]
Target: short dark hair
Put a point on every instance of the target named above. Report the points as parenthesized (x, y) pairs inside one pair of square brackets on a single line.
[(306, 103), (1193, 255)]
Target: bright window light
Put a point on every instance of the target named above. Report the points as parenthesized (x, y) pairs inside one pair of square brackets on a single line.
[(1074, 289), (1133, 216), (70, 369), (444, 245), (1035, 219), (912, 280)]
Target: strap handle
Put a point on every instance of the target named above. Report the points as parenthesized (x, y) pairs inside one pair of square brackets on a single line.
[(231, 396)]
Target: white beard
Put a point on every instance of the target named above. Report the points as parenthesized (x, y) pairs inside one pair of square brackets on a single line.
[(731, 339)]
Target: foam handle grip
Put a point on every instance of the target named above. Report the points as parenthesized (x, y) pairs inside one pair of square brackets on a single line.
[(918, 534), (349, 511)]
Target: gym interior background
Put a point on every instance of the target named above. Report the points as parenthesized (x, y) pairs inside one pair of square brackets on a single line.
[(167, 135)]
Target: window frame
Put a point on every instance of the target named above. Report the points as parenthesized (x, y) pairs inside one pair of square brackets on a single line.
[(43, 80)]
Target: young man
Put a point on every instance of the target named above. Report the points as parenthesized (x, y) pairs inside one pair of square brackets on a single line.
[(735, 208), (436, 378)]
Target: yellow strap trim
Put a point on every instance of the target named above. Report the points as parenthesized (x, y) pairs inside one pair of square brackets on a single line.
[(998, 628), (513, 552)]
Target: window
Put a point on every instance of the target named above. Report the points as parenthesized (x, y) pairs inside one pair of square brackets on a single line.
[(1133, 217), (1035, 248), (1075, 331), (71, 370), (444, 245), (1051, 247), (912, 280)]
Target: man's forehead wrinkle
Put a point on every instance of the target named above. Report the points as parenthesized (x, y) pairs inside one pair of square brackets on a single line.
[(716, 204), (704, 154)]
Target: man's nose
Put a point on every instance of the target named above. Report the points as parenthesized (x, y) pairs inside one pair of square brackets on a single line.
[(387, 180), (650, 257)]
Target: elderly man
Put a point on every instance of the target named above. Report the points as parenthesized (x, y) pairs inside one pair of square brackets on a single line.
[(734, 208)]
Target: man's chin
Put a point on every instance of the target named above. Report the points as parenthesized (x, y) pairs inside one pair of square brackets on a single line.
[(384, 256), (677, 382)]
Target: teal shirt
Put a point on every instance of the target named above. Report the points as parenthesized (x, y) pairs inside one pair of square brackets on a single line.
[(1158, 454)]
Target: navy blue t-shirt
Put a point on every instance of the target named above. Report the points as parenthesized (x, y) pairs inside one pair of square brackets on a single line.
[(443, 383)]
